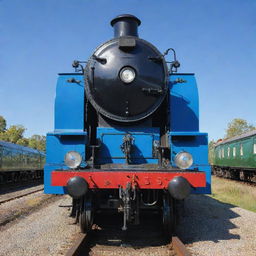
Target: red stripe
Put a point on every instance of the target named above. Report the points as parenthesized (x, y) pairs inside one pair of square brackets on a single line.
[(112, 179)]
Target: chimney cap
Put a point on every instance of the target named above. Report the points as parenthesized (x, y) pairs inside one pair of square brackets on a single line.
[(125, 16)]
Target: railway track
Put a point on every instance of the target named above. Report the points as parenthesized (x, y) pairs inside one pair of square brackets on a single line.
[(10, 187), (147, 239), (6, 197), (242, 176), (249, 183)]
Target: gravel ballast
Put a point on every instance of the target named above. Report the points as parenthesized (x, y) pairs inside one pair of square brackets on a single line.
[(23, 206), (48, 231), (8, 196), (210, 227)]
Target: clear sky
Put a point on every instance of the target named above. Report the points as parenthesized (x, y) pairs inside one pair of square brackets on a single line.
[(215, 39)]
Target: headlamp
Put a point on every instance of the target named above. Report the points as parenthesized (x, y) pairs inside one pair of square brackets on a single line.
[(127, 74), (73, 159), (183, 160)]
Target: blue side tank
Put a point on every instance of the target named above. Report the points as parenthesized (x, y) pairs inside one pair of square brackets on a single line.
[(69, 133)]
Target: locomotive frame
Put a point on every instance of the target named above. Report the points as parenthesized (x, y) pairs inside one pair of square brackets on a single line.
[(128, 164)]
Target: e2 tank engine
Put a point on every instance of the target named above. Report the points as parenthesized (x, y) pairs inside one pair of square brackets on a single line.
[(126, 134)]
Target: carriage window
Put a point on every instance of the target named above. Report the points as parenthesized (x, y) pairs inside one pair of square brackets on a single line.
[(241, 150), (219, 153), (254, 148), (234, 151), (223, 153), (228, 151)]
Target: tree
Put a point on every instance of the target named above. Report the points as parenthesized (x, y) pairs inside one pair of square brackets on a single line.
[(238, 126), (211, 151), (13, 134), (23, 142), (2, 124), (37, 142)]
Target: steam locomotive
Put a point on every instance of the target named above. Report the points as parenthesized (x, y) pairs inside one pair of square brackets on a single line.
[(126, 135)]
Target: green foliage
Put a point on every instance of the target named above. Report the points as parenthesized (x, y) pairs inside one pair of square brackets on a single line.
[(2, 124), (37, 142), (238, 126), (23, 142), (15, 134)]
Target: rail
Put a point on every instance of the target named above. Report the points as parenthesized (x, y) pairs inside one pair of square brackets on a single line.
[(81, 246), (18, 194), (179, 247)]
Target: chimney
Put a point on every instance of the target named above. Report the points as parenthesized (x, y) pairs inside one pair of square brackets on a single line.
[(125, 25)]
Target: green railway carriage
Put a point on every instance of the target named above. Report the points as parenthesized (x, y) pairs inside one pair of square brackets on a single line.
[(19, 163), (236, 157)]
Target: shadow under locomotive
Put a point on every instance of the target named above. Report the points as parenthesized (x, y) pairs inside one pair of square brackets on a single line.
[(206, 219), (148, 233)]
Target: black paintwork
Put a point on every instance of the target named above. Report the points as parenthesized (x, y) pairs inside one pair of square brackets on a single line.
[(77, 187), (125, 25), (112, 97), (179, 188)]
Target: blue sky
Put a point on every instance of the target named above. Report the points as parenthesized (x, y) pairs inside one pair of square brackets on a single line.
[(215, 39)]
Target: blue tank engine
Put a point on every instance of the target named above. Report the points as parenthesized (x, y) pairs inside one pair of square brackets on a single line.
[(126, 134)]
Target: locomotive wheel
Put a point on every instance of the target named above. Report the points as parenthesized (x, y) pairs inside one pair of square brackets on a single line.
[(86, 215), (169, 216)]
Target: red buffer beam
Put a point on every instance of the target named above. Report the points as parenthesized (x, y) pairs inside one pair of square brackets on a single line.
[(115, 179)]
